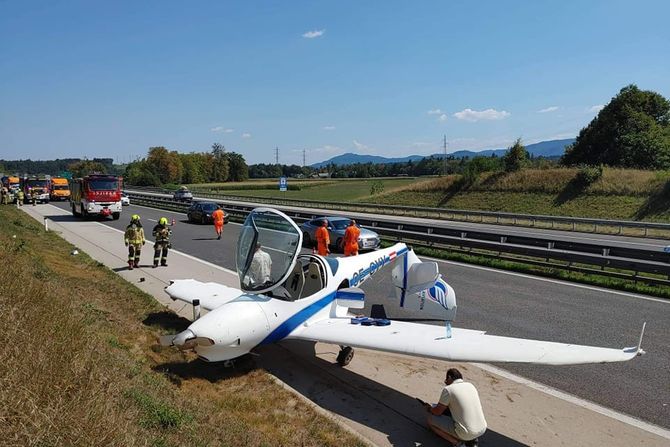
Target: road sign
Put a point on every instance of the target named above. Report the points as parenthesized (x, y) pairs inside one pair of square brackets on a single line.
[(283, 183)]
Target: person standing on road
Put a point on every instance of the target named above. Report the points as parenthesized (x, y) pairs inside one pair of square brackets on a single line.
[(458, 416), (5, 195), (134, 239), (217, 218), (350, 242), (19, 197), (322, 238), (161, 233)]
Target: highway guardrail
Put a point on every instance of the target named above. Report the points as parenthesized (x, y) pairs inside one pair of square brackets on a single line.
[(546, 250), (605, 226)]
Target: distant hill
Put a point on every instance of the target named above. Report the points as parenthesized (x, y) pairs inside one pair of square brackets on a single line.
[(553, 148)]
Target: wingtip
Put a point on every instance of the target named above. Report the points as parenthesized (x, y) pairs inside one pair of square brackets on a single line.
[(640, 351)]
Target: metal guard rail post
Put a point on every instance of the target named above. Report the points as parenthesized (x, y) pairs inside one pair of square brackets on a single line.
[(434, 213), (600, 255)]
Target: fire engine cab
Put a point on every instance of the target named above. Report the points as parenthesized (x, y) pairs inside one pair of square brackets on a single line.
[(96, 195)]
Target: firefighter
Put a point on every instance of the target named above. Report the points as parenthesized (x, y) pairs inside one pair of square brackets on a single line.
[(217, 218), (322, 239), (134, 239), (19, 197), (5, 196), (161, 234), (350, 241)]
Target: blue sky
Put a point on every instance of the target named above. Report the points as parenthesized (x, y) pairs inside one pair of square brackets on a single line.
[(111, 79)]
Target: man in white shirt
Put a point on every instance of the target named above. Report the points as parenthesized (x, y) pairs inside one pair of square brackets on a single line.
[(260, 268), (458, 416)]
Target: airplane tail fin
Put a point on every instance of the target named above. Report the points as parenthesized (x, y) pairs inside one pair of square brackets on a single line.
[(420, 287)]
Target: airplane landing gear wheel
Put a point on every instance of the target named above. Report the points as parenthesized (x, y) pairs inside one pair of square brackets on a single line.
[(345, 356)]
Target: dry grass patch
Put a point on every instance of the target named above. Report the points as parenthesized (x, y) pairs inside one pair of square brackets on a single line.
[(80, 365)]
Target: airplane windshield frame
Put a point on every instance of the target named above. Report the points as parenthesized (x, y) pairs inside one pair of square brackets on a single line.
[(268, 246)]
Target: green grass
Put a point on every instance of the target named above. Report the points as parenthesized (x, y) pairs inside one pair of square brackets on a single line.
[(330, 191), (81, 364)]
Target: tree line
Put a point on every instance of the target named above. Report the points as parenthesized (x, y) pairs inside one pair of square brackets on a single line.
[(165, 167)]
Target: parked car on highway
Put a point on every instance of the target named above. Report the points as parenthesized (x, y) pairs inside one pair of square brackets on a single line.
[(368, 240), (183, 195), (202, 212), (125, 200)]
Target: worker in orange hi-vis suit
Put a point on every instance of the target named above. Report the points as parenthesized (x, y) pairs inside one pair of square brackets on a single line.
[(322, 239), (350, 242), (217, 218)]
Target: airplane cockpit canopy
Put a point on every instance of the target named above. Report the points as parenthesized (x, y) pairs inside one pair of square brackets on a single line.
[(267, 248)]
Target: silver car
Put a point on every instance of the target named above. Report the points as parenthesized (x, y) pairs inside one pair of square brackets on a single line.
[(368, 240)]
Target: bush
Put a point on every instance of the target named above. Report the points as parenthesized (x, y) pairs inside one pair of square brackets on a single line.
[(588, 175), (377, 187)]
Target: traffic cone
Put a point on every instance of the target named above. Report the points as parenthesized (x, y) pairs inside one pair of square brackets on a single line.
[(173, 222)]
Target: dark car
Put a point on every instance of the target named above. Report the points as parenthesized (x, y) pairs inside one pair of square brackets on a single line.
[(368, 240), (182, 195), (201, 212)]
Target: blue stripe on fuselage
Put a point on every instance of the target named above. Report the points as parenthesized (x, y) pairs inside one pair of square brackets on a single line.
[(296, 320)]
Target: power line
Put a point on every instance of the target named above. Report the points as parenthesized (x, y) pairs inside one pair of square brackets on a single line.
[(445, 154)]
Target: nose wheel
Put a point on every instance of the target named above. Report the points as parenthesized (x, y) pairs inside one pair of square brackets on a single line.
[(345, 356)]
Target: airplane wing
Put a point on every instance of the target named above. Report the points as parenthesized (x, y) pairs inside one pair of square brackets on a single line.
[(464, 345), (210, 294)]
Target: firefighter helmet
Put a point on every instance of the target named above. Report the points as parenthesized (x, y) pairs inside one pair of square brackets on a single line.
[(163, 221), (135, 218)]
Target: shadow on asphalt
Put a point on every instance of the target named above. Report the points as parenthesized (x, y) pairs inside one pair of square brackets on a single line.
[(204, 238), (355, 397)]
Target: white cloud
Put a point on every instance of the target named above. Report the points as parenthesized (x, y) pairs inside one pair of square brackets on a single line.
[(313, 34), (222, 129), (548, 109), (328, 127), (360, 147), (474, 115), (443, 117), (597, 108), (435, 112), (246, 135)]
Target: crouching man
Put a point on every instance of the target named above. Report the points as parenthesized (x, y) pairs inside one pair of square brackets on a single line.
[(458, 416)]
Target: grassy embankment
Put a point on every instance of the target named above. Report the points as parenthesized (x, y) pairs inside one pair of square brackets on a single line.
[(80, 365), (623, 194)]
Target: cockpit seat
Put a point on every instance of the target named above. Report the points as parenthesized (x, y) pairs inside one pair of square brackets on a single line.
[(296, 281), (313, 280)]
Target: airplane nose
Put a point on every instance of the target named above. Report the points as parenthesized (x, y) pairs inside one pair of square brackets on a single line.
[(181, 339)]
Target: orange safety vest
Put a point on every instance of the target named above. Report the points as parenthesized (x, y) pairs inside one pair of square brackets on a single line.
[(322, 240), (350, 244), (217, 217)]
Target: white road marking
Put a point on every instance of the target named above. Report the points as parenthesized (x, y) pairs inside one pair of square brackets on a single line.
[(172, 250), (522, 275), (501, 372), (651, 428), (555, 281)]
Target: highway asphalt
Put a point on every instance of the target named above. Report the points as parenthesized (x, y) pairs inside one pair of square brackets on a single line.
[(510, 304)]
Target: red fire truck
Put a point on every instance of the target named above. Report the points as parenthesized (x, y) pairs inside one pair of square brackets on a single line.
[(96, 195)]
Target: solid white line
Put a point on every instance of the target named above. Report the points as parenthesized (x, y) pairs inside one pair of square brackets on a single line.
[(651, 428), (181, 253), (501, 372), (555, 281)]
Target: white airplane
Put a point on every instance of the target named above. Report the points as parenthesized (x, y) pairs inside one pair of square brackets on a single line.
[(309, 297)]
